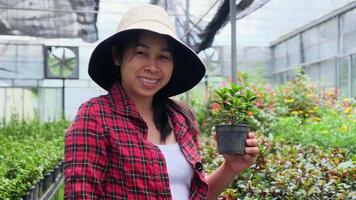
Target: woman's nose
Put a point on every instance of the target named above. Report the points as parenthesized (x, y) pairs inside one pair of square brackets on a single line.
[(152, 66)]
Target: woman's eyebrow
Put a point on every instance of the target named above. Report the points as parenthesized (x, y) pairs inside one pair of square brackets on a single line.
[(142, 45), (147, 47)]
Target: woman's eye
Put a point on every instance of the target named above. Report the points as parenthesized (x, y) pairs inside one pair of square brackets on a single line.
[(141, 53), (165, 57)]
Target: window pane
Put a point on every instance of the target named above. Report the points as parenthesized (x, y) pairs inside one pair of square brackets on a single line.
[(2, 103), (50, 103), (320, 42), (327, 37), (310, 47), (293, 51), (290, 75), (327, 73), (280, 57), (353, 75), (313, 72), (343, 76), (348, 31), (7, 61), (280, 78), (21, 61)]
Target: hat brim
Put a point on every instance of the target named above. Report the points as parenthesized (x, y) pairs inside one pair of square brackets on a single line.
[(188, 68)]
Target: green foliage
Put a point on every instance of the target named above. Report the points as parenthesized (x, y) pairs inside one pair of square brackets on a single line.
[(297, 97), (204, 116), (234, 105), (28, 150), (333, 129), (285, 171), (310, 153), (204, 108)]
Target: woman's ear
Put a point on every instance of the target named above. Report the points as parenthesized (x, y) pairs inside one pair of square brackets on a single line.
[(115, 57)]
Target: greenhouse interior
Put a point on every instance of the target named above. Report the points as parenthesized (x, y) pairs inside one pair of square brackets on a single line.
[(296, 58)]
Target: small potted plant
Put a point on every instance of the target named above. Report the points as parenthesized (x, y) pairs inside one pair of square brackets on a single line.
[(233, 110)]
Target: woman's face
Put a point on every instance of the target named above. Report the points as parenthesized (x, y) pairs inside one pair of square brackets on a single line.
[(146, 67)]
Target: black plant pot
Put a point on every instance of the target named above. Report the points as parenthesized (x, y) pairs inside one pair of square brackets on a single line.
[(231, 139)]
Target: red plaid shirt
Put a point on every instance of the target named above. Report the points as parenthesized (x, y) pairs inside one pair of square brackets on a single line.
[(107, 155)]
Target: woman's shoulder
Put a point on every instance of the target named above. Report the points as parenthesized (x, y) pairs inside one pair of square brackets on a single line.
[(95, 104)]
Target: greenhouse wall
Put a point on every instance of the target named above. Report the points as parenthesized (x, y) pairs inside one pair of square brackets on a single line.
[(249, 59), (25, 91), (325, 49)]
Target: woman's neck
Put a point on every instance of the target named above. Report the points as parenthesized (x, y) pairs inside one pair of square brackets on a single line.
[(144, 106)]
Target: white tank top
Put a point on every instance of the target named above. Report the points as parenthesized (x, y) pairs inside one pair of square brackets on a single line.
[(180, 172)]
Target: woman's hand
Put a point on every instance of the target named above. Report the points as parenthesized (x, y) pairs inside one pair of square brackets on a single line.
[(238, 163), (233, 165)]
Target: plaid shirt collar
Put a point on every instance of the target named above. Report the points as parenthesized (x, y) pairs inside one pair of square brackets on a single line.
[(121, 102)]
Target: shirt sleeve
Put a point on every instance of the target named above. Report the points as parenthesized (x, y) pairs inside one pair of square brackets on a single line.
[(85, 156)]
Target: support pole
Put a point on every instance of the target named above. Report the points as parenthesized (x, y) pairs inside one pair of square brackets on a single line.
[(187, 18), (233, 40), (187, 27), (63, 99)]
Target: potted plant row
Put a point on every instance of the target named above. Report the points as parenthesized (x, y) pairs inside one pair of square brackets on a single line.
[(234, 110)]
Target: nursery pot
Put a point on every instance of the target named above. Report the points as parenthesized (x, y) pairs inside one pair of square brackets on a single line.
[(231, 139)]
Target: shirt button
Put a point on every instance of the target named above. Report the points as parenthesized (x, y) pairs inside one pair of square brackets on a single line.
[(198, 166)]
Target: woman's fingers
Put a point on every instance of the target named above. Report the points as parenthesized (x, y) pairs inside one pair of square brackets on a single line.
[(253, 151), (250, 159), (251, 145), (251, 135), (252, 142)]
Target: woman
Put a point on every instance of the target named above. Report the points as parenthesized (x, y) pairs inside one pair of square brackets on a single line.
[(135, 142)]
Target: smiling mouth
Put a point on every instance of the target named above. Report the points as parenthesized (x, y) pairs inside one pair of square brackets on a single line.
[(149, 80)]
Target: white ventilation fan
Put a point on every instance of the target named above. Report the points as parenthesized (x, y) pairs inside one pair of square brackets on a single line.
[(61, 62)]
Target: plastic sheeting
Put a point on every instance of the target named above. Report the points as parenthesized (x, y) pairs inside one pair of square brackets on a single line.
[(45, 103), (353, 75), (202, 28), (287, 54), (321, 41), (348, 31), (50, 18), (327, 52), (318, 43), (21, 61)]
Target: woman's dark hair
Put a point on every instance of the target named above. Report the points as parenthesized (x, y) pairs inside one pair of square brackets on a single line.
[(161, 117), (160, 103)]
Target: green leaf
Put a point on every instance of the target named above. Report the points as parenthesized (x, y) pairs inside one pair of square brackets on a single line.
[(346, 165)]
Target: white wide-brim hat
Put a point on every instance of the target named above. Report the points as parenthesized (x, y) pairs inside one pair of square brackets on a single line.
[(188, 68)]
